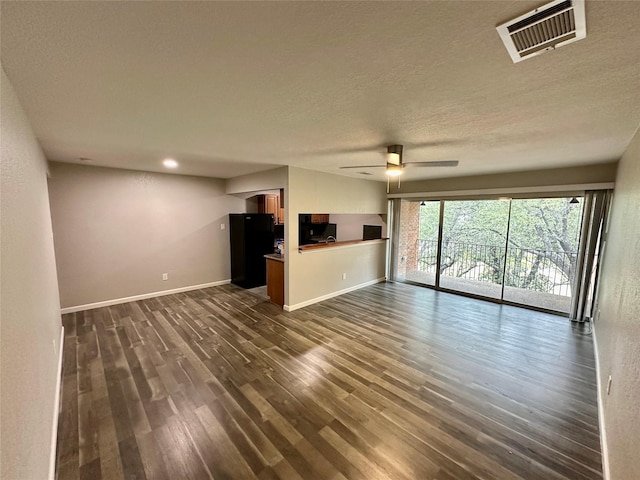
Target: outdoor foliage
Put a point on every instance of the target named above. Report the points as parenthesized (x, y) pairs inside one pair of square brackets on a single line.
[(542, 245)]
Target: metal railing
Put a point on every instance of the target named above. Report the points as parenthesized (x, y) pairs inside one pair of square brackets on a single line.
[(531, 269)]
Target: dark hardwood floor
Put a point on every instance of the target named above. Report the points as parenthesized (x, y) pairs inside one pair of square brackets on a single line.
[(391, 381)]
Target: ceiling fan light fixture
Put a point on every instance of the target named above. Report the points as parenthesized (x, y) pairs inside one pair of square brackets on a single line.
[(170, 163), (394, 161), (394, 154), (393, 158), (393, 170)]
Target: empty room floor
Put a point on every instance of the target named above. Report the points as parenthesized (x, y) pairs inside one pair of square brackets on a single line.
[(391, 381)]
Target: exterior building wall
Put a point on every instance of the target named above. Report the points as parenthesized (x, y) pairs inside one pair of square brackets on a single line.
[(409, 232)]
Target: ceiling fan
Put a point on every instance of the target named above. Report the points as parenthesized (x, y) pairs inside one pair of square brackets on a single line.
[(395, 165)]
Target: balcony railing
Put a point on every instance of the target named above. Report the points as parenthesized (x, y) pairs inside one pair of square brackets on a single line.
[(545, 271)]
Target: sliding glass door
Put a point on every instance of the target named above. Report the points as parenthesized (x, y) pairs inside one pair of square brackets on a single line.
[(522, 251)]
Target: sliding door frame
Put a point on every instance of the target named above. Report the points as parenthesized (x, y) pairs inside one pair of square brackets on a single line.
[(396, 229), (439, 246)]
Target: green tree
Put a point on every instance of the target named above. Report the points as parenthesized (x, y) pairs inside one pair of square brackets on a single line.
[(545, 232)]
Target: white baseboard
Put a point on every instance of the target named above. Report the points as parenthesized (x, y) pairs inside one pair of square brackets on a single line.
[(603, 432), (56, 410), (291, 308), (116, 301)]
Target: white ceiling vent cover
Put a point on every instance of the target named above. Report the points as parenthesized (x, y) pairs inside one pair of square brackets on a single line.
[(547, 27)]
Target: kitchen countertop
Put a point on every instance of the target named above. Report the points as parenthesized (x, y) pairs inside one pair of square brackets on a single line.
[(347, 243), (275, 256)]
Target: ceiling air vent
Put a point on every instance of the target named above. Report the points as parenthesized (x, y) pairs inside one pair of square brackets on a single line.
[(546, 28)]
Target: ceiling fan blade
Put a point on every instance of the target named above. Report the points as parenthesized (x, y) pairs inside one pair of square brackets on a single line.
[(346, 150), (381, 147), (433, 143), (363, 166), (437, 163)]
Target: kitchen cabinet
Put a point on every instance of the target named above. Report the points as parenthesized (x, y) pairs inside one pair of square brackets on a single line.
[(319, 218), (271, 204), (275, 279), (282, 205)]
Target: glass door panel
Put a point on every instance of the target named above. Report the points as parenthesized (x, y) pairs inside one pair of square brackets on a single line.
[(426, 244), (473, 246), (542, 253)]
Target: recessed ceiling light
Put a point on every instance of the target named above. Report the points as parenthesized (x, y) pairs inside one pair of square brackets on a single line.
[(170, 163)]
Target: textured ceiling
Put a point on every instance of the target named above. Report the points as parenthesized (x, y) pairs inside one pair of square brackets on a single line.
[(229, 88)]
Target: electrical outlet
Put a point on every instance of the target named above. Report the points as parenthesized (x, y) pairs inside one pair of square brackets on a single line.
[(222, 227), (165, 276), (344, 276)]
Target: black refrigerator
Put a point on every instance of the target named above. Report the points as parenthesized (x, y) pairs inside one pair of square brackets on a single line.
[(251, 238)]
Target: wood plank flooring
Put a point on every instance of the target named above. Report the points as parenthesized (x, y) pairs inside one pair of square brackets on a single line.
[(392, 381)]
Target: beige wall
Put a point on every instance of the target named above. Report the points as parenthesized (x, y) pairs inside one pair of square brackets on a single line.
[(599, 173), (618, 327), (316, 274), (117, 231), (268, 180), (30, 310)]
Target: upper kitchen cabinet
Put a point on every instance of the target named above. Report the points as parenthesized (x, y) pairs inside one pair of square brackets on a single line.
[(314, 218), (319, 218), (270, 203)]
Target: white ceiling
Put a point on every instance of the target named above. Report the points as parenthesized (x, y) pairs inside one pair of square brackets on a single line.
[(229, 88)]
